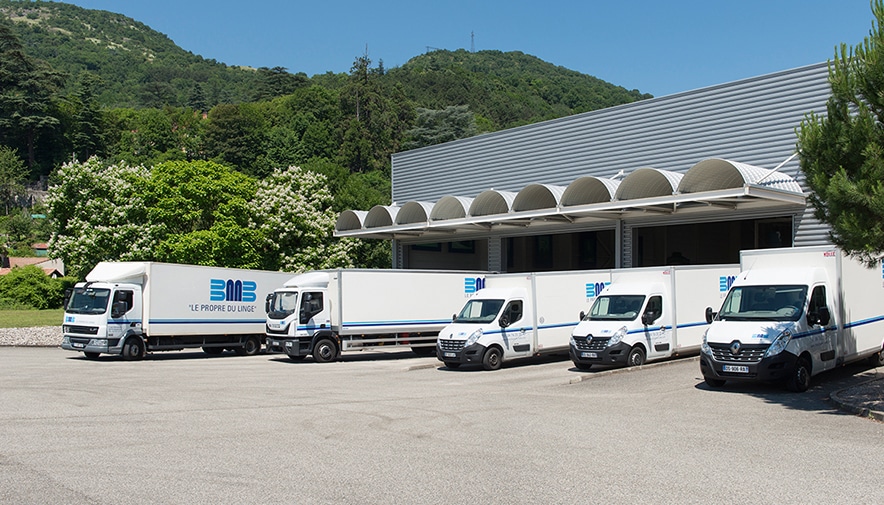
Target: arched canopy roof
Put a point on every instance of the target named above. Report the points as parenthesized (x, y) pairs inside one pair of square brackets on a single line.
[(538, 196), (414, 212), (450, 207), (588, 190), (492, 202), (380, 216), (710, 186), (647, 183), (716, 174), (351, 220)]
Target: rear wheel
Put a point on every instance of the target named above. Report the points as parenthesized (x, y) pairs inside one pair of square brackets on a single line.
[(492, 359), (251, 347), (133, 349), (877, 359), (636, 357), (324, 351), (799, 381)]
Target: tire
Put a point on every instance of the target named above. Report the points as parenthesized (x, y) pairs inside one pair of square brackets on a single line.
[(493, 359), (583, 367), (92, 355), (213, 351), (250, 347), (324, 351), (133, 349), (714, 383), (877, 359), (451, 365), (799, 381), (636, 357)]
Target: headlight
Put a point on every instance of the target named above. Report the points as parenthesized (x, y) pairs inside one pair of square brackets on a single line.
[(475, 336), (573, 342), (779, 344), (617, 337), (704, 347)]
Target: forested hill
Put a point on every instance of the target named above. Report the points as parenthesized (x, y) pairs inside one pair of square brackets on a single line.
[(140, 67)]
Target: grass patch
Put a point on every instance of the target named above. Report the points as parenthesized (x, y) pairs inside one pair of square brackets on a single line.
[(30, 318)]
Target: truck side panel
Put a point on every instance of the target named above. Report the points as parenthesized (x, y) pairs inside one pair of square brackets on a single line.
[(560, 297), (695, 288), (862, 293), (197, 300)]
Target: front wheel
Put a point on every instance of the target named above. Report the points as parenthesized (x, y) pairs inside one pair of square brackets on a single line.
[(324, 351), (799, 381), (133, 349), (877, 359), (636, 357), (492, 359)]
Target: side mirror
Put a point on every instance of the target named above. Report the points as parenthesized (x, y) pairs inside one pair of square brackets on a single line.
[(504, 321), (67, 296), (647, 318), (709, 315), (118, 309), (267, 303), (821, 317), (582, 315), (453, 317)]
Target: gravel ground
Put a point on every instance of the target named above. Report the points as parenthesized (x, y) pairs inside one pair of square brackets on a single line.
[(38, 336)]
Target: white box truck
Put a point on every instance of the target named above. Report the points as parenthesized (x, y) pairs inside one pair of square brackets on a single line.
[(793, 313), (517, 316), (327, 312), (130, 308), (648, 314)]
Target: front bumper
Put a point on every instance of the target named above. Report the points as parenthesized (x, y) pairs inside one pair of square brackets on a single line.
[(771, 369), (472, 354), (293, 346), (91, 344), (616, 354)]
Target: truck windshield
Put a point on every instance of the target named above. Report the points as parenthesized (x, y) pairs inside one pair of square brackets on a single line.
[(283, 304), (615, 308), (479, 311), (764, 303), (87, 300)]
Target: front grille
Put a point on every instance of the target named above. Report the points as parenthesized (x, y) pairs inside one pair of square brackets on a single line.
[(451, 345), (280, 331), (82, 330), (591, 343), (749, 353)]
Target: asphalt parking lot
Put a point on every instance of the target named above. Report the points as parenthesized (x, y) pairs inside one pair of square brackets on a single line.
[(393, 428)]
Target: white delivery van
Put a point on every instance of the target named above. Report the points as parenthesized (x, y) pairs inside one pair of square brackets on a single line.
[(518, 315), (327, 312), (793, 313), (130, 308), (648, 314)]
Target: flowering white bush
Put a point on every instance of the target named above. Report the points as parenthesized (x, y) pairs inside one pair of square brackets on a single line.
[(98, 213), (293, 208)]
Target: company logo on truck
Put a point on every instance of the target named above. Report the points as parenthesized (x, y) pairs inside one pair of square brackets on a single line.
[(472, 285), (725, 282), (594, 289), (230, 290)]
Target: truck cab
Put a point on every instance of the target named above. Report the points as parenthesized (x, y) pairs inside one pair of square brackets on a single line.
[(298, 313), (627, 324), (100, 316)]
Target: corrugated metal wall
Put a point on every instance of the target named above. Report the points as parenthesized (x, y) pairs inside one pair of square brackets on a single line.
[(751, 121)]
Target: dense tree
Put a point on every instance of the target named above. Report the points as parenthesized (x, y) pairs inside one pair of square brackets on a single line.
[(437, 126), (277, 81), (842, 151), (88, 129), (13, 175), (30, 287), (235, 135)]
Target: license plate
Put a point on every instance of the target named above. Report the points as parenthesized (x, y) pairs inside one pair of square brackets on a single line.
[(450, 354), (288, 344), (589, 355), (78, 346), (735, 368)]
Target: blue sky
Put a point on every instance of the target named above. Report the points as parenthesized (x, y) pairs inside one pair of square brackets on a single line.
[(657, 47)]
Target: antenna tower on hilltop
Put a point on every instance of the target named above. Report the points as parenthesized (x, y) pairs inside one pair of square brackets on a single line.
[(472, 42)]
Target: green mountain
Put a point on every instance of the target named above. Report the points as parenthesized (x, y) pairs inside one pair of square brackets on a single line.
[(139, 67)]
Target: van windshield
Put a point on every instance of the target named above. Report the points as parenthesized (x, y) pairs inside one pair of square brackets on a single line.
[(764, 303), (87, 300), (615, 308), (479, 311), (282, 304)]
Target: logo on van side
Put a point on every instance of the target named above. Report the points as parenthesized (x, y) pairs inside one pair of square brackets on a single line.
[(232, 290), (472, 285)]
